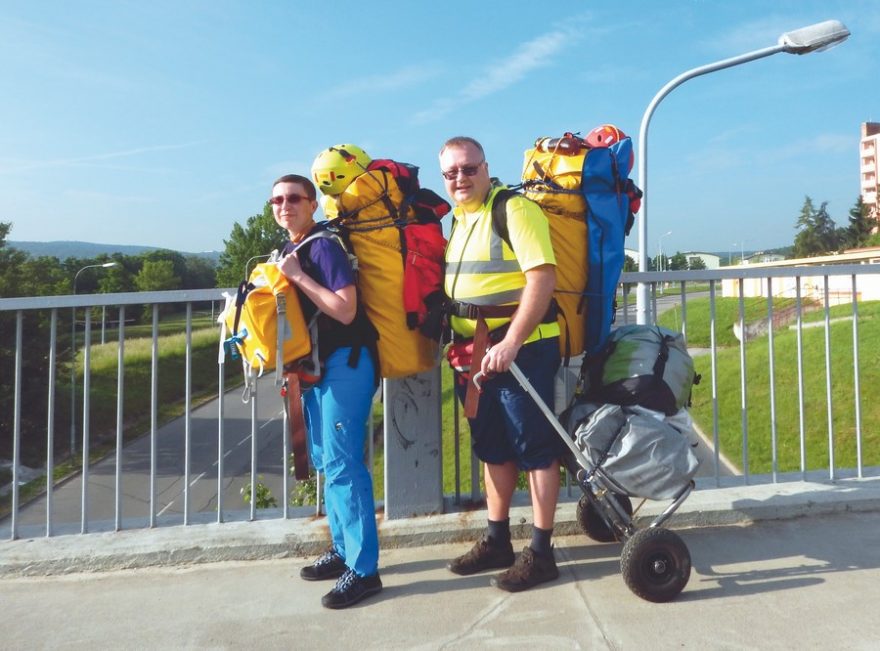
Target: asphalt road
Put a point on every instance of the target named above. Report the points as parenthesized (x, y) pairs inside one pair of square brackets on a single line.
[(170, 477)]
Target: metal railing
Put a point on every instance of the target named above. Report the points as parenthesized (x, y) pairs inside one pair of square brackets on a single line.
[(169, 481)]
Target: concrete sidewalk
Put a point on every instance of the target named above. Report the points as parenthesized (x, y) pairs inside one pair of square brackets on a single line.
[(811, 583), (804, 574)]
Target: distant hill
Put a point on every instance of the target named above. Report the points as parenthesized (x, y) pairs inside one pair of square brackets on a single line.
[(70, 249)]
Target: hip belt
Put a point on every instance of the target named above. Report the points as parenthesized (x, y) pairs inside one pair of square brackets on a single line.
[(548, 327)]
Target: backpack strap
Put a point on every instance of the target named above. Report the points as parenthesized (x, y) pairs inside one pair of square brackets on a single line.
[(499, 223), (244, 289), (662, 355), (499, 214), (296, 425)]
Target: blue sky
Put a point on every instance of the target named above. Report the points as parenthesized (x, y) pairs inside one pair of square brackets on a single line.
[(163, 123)]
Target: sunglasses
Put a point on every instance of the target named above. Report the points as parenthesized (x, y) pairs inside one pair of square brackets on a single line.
[(292, 199), (467, 170)]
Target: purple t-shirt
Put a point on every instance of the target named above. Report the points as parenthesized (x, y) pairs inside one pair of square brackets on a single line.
[(328, 264)]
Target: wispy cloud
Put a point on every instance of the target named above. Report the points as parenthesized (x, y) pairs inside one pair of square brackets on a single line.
[(95, 160), (259, 190), (92, 198), (528, 57), (730, 151), (823, 143), (392, 81), (749, 36)]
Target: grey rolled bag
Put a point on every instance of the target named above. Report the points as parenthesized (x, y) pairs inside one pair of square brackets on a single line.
[(640, 451)]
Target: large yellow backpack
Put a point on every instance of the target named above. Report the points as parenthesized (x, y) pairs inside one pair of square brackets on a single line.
[(252, 317), (365, 211), (381, 223), (552, 178)]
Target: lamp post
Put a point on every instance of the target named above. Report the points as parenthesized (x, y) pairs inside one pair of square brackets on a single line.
[(73, 357), (820, 36), (660, 249), (661, 263)]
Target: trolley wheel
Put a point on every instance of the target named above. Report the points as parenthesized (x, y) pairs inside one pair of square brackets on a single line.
[(591, 521), (655, 564)]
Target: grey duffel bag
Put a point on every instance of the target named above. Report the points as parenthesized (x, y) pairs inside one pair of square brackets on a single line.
[(643, 455), (643, 365)]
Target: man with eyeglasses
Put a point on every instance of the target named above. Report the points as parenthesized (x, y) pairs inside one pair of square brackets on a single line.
[(500, 288)]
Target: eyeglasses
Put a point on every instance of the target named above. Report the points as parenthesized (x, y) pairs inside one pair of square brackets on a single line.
[(467, 170), (292, 199)]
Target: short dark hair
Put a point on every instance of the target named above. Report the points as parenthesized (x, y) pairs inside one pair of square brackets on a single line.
[(311, 193), (460, 141)]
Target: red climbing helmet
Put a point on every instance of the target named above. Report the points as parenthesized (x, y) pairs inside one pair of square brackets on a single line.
[(605, 136)]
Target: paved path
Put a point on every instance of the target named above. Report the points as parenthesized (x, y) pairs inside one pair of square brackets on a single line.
[(808, 583), (170, 456)]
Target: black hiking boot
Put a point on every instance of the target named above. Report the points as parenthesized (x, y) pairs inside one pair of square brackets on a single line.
[(529, 570), (328, 565), (484, 555), (350, 589)]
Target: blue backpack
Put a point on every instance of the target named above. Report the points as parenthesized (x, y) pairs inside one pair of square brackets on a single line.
[(609, 193), (611, 198)]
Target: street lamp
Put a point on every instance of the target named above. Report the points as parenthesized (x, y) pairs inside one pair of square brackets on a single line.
[(742, 253), (660, 248), (814, 38), (73, 357)]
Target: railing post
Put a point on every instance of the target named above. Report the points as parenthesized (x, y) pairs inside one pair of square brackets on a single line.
[(16, 424), (120, 413), (413, 450)]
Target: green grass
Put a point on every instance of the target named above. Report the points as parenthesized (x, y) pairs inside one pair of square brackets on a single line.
[(168, 324), (726, 314), (138, 362), (757, 354)]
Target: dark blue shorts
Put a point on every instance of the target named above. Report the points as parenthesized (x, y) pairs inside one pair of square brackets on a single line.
[(509, 425)]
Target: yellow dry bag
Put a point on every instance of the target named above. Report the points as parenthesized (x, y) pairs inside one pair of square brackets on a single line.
[(263, 302)]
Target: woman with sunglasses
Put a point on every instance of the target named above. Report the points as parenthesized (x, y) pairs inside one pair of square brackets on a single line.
[(336, 408)]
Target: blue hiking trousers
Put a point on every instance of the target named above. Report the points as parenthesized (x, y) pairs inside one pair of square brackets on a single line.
[(336, 412)]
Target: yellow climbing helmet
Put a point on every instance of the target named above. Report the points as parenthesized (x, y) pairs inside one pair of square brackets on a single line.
[(337, 166)]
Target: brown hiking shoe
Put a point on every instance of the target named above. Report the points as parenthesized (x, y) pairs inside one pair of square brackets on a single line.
[(482, 556), (529, 570)]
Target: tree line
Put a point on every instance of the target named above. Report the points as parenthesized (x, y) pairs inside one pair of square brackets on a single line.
[(817, 234)]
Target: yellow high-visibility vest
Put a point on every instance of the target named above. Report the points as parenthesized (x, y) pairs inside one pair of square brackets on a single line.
[(481, 269)]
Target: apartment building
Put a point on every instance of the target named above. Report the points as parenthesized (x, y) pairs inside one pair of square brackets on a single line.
[(869, 166)]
